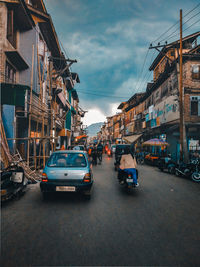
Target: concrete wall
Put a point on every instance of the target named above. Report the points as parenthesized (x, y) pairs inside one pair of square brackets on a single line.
[(27, 40)]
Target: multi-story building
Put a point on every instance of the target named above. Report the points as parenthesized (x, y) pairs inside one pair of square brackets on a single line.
[(156, 112), (36, 83)]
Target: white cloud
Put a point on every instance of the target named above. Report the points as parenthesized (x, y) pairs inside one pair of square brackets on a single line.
[(93, 53), (137, 30), (128, 87), (92, 116)]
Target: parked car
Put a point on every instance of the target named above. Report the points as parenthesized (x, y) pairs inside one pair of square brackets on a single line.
[(67, 171), (79, 147)]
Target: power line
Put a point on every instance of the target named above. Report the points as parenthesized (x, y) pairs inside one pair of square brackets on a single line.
[(147, 73), (141, 72), (191, 25), (175, 25), (168, 37), (185, 29), (89, 93)]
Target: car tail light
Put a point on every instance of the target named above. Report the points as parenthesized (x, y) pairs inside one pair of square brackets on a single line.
[(109, 152), (44, 177), (87, 178)]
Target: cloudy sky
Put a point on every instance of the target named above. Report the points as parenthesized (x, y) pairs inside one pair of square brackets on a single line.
[(110, 40)]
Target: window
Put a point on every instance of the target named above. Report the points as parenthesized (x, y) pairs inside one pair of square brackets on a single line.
[(11, 29), (195, 105), (130, 116), (67, 160), (10, 75), (172, 54), (196, 72), (164, 90)]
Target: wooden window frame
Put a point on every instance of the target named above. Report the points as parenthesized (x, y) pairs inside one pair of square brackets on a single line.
[(196, 75), (11, 28), (194, 111), (7, 75)]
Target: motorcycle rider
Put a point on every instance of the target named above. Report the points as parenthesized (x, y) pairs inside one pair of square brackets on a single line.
[(99, 151), (94, 154), (128, 165)]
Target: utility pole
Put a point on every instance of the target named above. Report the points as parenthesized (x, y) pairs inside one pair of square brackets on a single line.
[(183, 141)]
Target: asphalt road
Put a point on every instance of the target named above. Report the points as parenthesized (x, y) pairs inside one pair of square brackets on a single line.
[(156, 224)]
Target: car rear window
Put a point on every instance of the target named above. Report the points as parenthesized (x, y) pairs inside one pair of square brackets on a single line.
[(122, 149), (67, 160)]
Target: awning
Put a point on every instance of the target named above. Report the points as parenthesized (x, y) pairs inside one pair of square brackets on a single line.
[(81, 136), (17, 60), (13, 94), (132, 138), (64, 102)]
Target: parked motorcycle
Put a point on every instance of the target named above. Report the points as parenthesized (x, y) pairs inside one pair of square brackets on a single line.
[(196, 170), (166, 163), (140, 159), (13, 182), (190, 170)]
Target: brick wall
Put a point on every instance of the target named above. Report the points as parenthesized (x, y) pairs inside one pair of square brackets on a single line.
[(187, 110)]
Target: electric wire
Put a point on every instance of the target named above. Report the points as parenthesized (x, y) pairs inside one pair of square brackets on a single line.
[(141, 84), (172, 34), (103, 95), (177, 34), (190, 11), (146, 78), (141, 72)]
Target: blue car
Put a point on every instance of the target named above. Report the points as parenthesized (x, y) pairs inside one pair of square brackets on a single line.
[(67, 171)]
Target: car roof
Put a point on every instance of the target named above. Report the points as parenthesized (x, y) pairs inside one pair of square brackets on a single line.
[(123, 145), (70, 151)]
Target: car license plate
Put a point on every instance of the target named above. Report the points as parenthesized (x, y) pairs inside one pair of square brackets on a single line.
[(66, 188), (129, 180)]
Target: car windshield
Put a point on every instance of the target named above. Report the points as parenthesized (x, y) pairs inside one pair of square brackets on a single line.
[(78, 148), (123, 149), (67, 160)]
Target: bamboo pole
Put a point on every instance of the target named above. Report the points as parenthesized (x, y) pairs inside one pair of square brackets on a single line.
[(49, 75), (35, 150), (43, 108), (30, 107)]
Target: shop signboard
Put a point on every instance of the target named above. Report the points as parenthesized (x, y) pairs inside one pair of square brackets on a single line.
[(167, 110)]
